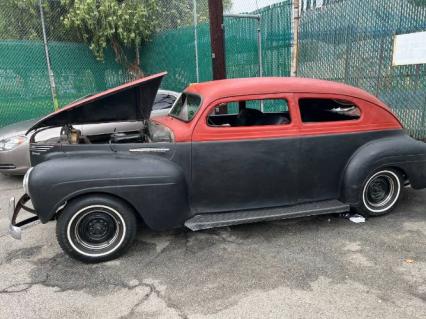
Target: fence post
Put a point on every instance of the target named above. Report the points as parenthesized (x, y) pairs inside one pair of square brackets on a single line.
[(217, 39), (197, 66), (295, 47), (259, 45), (49, 68), (379, 71), (348, 54)]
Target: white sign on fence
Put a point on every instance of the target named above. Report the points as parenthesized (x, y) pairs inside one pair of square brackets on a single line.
[(409, 48)]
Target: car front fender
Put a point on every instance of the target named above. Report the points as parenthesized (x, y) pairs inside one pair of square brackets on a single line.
[(154, 186)]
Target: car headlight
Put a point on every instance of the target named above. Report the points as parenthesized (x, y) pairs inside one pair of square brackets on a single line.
[(26, 179), (12, 142)]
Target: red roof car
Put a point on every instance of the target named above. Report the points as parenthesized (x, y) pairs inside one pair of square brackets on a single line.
[(229, 152)]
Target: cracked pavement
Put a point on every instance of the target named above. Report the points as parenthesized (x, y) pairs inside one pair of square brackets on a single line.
[(321, 267)]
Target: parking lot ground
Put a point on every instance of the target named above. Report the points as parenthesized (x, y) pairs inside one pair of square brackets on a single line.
[(322, 267)]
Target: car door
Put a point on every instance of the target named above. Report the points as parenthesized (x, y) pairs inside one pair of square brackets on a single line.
[(237, 167), (332, 128)]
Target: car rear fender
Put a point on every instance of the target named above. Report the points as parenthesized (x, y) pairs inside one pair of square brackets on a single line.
[(154, 186), (402, 153)]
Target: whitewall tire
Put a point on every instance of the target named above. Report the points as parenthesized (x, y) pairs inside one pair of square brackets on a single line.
[(96, 228), (381, 192)]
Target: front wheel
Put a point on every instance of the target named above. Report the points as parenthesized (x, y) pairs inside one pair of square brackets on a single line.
[(380, 193), (96, 228)]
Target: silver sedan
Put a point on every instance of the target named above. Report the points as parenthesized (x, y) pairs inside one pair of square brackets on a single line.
[(14, 145)]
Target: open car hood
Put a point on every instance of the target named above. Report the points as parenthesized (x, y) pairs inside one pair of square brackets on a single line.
[(128, 102)]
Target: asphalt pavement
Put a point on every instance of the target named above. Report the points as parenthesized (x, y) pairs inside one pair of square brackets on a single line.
[(321, 267)]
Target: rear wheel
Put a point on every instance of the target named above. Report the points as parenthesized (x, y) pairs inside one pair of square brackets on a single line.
[(380, 193), (96, 228)]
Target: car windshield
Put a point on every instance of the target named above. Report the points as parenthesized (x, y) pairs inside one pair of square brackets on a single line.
[(186, 107)]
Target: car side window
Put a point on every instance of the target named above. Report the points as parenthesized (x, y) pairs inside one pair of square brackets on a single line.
[(250, 113), (328, 110)]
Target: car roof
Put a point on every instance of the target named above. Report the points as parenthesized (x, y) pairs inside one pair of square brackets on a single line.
[(267, 85)]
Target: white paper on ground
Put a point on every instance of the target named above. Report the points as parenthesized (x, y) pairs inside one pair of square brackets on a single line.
[(357, 219)]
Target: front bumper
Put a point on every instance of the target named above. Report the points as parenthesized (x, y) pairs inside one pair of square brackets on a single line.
[(15, 227)]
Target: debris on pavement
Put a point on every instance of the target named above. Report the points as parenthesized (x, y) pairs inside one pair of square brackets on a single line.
[(357, 219)]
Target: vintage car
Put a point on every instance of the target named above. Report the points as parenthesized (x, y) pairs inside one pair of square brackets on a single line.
[(229, 152)]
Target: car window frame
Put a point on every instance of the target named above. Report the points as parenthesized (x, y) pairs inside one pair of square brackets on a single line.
[(195, 114), (322, 96), (244, 99), (203, 132), (336, 127)]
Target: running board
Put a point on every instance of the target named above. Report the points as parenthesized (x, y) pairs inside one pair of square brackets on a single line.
[(206, 221)]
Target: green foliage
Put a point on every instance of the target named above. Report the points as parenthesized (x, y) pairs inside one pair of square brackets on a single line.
[(120, 24), (178, 13), (128, 23), (111, 22), (20, 20)]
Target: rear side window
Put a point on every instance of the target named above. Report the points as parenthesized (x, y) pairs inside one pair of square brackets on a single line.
[(328, 110)]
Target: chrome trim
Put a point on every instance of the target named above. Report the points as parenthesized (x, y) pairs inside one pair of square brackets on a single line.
[(41, 148), (149, 150), (14, 231), (26, 179), (7, 166), (11, 208), (61, 207)]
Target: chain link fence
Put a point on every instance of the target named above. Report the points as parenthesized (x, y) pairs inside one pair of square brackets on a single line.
[(341, 40), (175, 49), (352, 42), (25, 88), (179, 45)]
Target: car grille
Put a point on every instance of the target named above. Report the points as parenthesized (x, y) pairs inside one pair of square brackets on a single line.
[(7, 166)]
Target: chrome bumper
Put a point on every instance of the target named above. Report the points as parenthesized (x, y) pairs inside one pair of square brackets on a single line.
[(15, 227)]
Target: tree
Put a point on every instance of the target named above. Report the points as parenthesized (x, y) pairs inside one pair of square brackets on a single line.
[(124, 24), (177, 13), (121, 24), (20, 20)]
